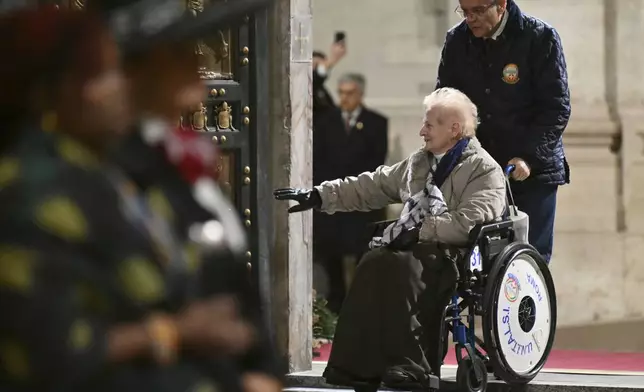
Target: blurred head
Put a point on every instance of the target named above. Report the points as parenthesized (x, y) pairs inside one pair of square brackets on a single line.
[(66, 63), (351, 89), (163, 77), (449, 117), (164, 80), (482, 16)]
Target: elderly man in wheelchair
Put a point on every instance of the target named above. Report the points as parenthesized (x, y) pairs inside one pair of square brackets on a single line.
[(453, 254)]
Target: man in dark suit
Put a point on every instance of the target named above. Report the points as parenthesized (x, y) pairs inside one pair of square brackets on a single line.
[(512, 66), (348, 140)]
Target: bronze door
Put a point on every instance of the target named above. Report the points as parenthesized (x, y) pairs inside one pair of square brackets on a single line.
[(234, 116)]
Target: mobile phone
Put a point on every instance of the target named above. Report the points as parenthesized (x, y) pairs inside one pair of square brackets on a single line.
[(340, 36)]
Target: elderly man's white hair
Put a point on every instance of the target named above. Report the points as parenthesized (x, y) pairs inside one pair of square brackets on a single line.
[(452, 102)]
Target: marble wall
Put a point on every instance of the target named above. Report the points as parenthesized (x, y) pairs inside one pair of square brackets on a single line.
[(600, 222)]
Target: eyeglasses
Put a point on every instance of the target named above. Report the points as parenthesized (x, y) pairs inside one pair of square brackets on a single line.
[(474, 12)]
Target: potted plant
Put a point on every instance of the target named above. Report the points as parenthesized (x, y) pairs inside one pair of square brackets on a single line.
[(324, 322)]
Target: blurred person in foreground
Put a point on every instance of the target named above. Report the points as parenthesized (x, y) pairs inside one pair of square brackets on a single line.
[(348, 140), (390, 323), (172, 167), (512, 66), (92, 283)]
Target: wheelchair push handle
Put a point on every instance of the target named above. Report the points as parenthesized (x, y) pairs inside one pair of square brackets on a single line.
[(509, 169), (509, 197)]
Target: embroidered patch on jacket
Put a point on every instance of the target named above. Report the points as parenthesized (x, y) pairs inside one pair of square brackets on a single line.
[(141, 280), (511, 74), (9, 171), (62, 217)]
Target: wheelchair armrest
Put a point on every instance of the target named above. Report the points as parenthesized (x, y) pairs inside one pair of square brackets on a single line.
[(485, 228), (481, 248)]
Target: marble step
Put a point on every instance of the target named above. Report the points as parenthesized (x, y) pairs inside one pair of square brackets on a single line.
[(312, 381)]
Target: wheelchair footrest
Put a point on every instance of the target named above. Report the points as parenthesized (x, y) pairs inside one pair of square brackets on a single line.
[(410, 378), (433, 382)]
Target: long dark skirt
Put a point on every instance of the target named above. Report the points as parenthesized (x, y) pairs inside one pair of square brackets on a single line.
[(393, 312)]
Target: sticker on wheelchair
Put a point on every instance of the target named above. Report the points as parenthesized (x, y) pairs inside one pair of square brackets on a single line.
[(523, 315), (476, 262)]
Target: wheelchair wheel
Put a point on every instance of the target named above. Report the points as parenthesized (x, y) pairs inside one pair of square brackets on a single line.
[(520, 314), (466, 379)]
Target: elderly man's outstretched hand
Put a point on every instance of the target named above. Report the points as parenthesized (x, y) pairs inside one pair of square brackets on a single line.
[(308, 198)]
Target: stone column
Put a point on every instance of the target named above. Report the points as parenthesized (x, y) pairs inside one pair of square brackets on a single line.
[(290, 23), (629, 99), (584, 239)]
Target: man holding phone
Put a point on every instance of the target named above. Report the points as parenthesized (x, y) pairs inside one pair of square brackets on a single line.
[(322, 66)]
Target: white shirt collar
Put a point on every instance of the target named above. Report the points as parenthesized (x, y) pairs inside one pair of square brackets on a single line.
[(352, 116), (321, 70), (499, 31)]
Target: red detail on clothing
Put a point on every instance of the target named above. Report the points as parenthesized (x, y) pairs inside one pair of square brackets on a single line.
[(193, 154)]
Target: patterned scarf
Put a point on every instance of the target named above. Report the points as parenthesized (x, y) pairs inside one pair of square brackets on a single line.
[(428, 201)]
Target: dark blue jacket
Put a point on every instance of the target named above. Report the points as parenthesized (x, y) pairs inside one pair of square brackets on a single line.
[(519, 83)]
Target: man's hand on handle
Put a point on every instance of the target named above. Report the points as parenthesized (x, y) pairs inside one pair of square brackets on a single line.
[(521, 169), (307, 198)]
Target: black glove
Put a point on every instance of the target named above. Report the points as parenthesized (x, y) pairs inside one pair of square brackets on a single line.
[(405, 240), (308, 198)]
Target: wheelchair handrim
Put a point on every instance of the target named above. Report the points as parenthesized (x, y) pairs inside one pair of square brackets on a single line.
[(513, 358)]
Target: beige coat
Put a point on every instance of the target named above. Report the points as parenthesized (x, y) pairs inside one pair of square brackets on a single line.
[(474, 192)]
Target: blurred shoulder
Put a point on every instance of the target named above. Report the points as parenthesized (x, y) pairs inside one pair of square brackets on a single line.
[(482, 160)]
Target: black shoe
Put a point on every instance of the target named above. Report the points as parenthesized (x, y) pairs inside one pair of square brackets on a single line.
[(409, 378), (335, 376)]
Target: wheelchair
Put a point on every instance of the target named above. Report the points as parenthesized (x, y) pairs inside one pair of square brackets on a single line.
[(508, 283)]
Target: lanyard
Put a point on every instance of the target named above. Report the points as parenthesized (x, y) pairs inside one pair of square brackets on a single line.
[(154, 227)]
